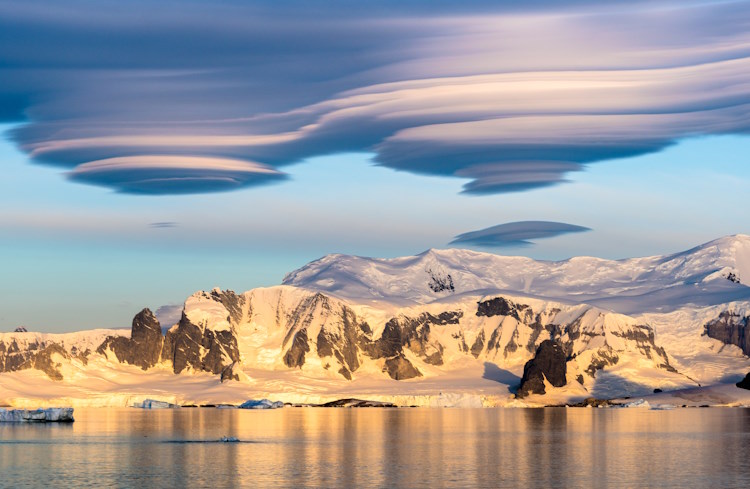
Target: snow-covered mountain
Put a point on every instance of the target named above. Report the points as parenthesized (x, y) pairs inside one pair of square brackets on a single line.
[(705, 275), (443, 323)]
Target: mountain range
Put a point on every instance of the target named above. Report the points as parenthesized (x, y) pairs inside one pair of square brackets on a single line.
[(445, 327)]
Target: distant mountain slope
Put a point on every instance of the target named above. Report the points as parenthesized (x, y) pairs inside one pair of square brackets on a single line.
[(714, 273), (451, 322)]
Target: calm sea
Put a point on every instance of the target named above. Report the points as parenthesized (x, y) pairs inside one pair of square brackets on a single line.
[(373, 447)]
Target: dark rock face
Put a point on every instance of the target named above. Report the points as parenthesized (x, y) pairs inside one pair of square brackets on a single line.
[(36, 355), (348, 339), (550, 363), (500, 306), (731, 329), (744, 383), (399, 368), (343, 343), (412, 333), (20, 329), (604, 357), (440, 282), (645, 341), (345, 373), (11, 356), (592, 402), (232, 302), (229, 374), (144, 346), (356, 403), (43, 361), (478, 346), (295, 356), (183, 347)]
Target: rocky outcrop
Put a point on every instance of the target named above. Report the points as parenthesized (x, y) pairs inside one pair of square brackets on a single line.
[(744, 383), (343, 342), (440, 281), (199, 348), (295, 356), (500, 306), (229, 373), (356, 403), (603, 357), (47, 361), (349, 340), (550, 363), (644, 339), (731, 329), (12, 357), (39, 355), (400, 368), (233, 303), (412, 333), (143, 348)]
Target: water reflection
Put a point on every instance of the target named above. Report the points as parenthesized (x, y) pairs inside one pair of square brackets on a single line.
[(382, 448)]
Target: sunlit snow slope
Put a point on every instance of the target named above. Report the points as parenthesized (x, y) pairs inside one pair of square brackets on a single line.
[(699, 276), (446, 327)]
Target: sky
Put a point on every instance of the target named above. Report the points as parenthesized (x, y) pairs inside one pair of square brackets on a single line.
[(152, 149)]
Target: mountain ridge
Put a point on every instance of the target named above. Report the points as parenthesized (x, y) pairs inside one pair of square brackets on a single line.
[(331, 326)]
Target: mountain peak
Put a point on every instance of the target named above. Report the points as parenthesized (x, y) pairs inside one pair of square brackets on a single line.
[(628, 285)]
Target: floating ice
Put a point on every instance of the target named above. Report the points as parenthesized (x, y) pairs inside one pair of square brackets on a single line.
[(640, 403), (261, 404), (60, 415), (154, 404)]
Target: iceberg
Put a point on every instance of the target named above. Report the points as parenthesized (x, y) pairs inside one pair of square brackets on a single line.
[(640, 403), (58, 415), (261, 404), (154, 404)]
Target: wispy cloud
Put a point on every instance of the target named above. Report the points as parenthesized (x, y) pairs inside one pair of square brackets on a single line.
[(213, 97), (516, 233), (163, 225)]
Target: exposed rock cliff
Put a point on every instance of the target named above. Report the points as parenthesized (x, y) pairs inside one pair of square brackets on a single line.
[(144, 346), (731, 329), (549, 363)]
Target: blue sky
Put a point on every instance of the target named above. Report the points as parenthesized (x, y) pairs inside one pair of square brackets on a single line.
[(226, 143), (78, 256)]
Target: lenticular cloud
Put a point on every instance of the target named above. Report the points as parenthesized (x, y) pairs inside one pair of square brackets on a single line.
[(220, 98), (174, 174), (516, 233)]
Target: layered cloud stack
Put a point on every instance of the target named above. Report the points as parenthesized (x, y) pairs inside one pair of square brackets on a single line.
[(507, 97)]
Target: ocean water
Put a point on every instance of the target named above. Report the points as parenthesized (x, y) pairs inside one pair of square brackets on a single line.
[(374, 447)]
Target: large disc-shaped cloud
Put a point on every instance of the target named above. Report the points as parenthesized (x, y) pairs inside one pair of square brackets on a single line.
[(173, 174)]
